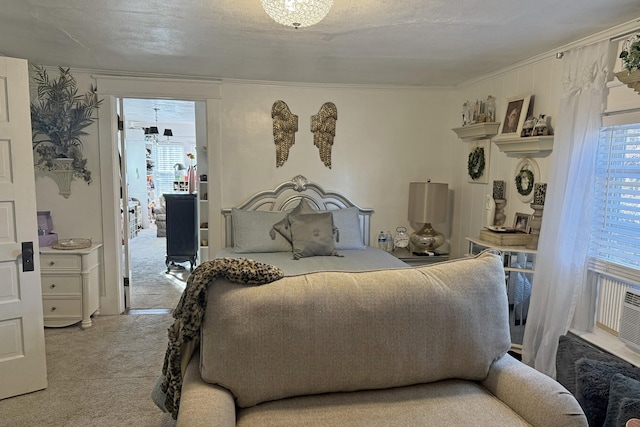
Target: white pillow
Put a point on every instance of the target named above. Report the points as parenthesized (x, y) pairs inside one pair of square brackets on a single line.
[(251, 232), (347, 221)]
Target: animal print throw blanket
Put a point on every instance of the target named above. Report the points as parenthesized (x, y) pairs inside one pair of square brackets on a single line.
[(184, 333)]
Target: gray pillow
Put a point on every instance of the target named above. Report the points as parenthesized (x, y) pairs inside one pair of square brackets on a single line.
[(347, 221), (251, 232), (312, 235), (624, 395), (593, 379), (283, 227)]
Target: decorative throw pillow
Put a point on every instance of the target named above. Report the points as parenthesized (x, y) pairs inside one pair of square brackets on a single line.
[(347, 221), (629, 409), (592, 386), (283, 227), (251, 232), (570, 350), (622, 390), (312, 235)]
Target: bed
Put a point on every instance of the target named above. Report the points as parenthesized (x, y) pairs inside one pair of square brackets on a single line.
[(249, 231)]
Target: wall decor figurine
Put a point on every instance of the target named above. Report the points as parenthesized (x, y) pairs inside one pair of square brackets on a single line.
[(285, 126), (323, 127)]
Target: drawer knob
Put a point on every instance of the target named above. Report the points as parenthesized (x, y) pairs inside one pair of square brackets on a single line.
[(51, 263), (53, 285), (53, 308)]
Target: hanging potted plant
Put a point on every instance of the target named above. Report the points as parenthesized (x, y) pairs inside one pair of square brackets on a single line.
[(58, 118), (630, 56)]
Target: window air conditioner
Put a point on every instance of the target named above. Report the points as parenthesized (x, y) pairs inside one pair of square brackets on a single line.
[(630, 320)]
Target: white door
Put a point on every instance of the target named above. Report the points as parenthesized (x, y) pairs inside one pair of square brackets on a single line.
[(126, 226), (22, 356)]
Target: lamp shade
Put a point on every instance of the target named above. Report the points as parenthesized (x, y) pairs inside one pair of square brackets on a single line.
[(153, 130), (168, 132), (428, 202), (297, 13)]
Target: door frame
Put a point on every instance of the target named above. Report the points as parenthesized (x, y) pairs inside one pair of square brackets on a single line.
[(110, 88)]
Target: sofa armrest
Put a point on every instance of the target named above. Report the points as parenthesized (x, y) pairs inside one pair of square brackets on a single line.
[(204, 404), (537, 398)]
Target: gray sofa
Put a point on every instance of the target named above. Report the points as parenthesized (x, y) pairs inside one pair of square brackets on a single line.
[(408, 347)]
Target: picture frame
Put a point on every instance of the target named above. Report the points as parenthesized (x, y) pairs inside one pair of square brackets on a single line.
[(521, 222), (515, 115), (478, 161)]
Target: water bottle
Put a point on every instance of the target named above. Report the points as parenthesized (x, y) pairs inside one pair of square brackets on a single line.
[(388, 242), (381, 240)]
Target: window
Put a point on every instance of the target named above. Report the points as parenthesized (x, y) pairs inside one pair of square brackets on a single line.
[(616, 223), (168, 155)]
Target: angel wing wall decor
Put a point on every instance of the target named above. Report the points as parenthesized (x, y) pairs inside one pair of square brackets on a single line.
[(323, 126), (285, 126)]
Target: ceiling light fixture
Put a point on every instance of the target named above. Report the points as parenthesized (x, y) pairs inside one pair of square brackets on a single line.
[(151, 133), (297, 13)]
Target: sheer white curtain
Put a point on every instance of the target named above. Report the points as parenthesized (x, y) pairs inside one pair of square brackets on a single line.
[(564, 238)]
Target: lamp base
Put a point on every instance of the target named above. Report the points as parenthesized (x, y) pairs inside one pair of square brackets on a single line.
[(426, 240)]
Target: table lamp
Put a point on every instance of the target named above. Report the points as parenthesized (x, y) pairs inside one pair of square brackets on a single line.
[(428, 202)]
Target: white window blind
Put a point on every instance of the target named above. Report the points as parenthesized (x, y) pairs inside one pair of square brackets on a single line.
[(615, 233), (167, 157)]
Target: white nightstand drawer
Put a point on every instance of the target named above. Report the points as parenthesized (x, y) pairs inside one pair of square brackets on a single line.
[(61, 284), (50, 262), (53, 307)]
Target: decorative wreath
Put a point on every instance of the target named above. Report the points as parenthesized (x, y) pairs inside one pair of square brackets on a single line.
[(475, 165), (524, 173)]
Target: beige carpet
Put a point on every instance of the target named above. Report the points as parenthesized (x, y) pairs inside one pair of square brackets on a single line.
[(151, 286), (103, 376)]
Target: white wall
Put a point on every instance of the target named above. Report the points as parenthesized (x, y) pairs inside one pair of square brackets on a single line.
[(80, 215), (543, 80), (385, 138)]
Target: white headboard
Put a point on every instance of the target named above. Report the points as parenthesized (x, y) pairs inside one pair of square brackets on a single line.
[(288, 194)]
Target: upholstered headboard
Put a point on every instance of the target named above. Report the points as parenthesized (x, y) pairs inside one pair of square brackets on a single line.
[(288, 194)]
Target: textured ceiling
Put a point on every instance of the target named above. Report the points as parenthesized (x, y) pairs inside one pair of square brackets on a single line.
[(409, 42)]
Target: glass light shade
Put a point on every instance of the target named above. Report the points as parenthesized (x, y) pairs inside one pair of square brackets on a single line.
[(297, 13)]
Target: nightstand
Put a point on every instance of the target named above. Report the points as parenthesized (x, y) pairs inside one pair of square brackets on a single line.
[(418, 260), (70, 285)]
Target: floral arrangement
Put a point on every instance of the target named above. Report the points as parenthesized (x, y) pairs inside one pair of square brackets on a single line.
[(58, 118), (630, 54)]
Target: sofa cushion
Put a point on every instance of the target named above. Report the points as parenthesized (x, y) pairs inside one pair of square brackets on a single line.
[(434, 404), (339, 331), (624, 401), (593, 379)]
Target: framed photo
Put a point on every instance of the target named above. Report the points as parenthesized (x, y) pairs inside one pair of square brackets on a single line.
[(514, 116), (478, 161), (521, 222)]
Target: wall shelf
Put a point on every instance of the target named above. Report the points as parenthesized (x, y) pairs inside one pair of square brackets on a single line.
[(525, 146), (476, 131)]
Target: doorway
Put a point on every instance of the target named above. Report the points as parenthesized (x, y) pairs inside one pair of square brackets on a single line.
[(159, 141)]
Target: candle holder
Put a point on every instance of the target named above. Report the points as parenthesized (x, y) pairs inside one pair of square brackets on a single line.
[(535, 223), (500, 217)]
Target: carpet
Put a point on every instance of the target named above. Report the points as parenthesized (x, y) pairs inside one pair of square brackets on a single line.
[(151, 287), (100, 376)]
